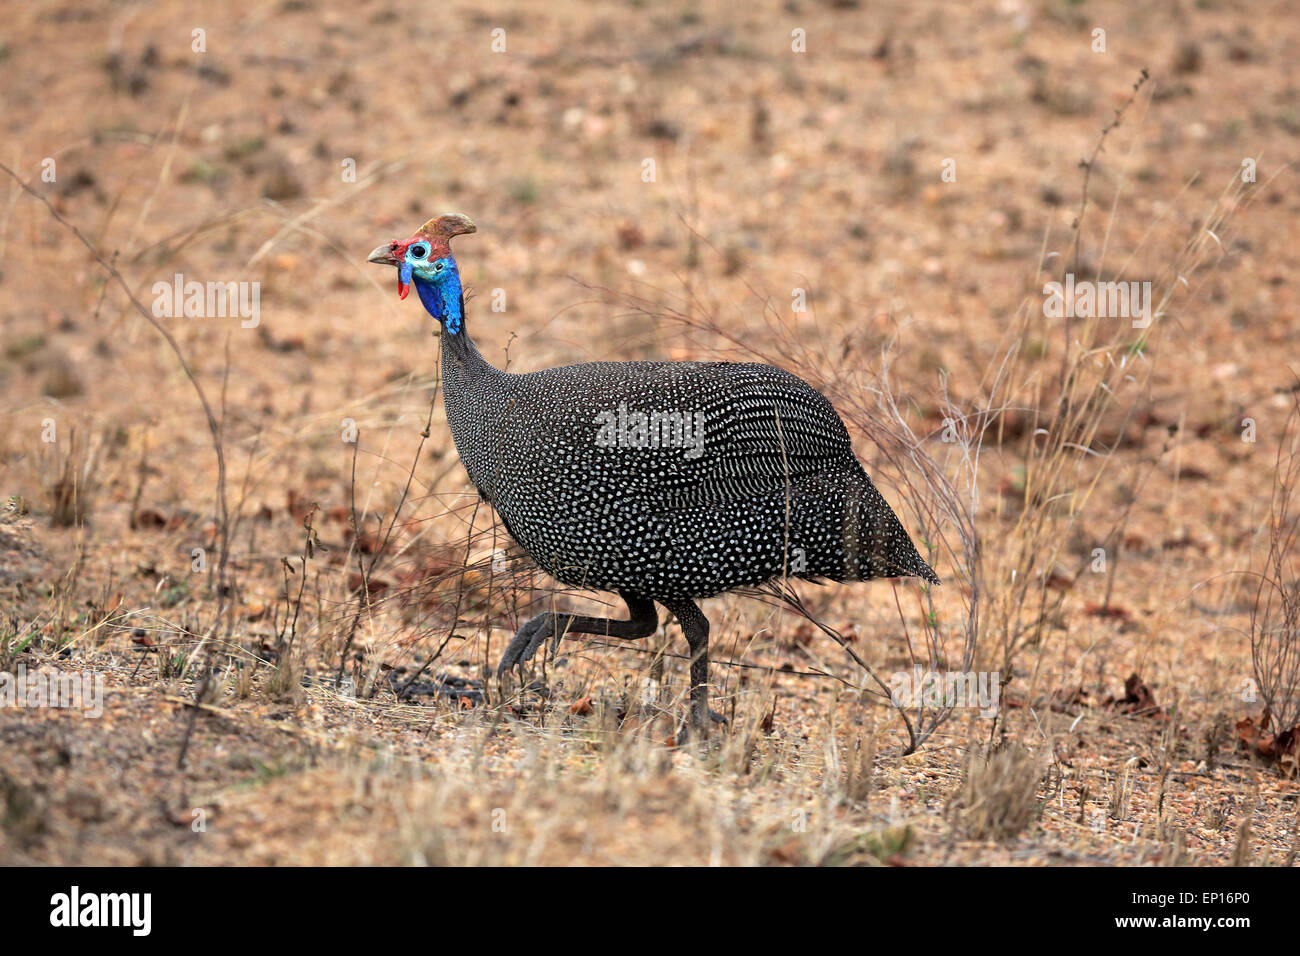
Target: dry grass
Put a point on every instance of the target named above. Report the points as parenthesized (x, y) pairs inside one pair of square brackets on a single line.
[(69, 479), (999, 793), (1275, 611)]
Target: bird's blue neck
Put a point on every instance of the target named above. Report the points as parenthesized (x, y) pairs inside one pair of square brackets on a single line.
[(445, 301)]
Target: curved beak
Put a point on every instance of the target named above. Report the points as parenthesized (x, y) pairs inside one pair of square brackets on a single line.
[(384, 255)]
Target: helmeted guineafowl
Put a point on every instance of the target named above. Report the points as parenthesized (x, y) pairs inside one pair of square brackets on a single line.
[(661, 481)]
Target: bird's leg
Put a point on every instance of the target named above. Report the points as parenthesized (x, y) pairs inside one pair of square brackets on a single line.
[(641, 623), (695, 628)]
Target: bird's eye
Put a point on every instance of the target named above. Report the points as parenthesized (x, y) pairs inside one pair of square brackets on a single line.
[(419, 251)]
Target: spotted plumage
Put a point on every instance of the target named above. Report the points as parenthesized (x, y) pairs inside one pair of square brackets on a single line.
[(663, 481)]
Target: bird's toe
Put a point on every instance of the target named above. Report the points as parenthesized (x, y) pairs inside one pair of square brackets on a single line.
[(523, 645)]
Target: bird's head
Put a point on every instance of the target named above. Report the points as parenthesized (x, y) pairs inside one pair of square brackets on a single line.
[(425, 259)]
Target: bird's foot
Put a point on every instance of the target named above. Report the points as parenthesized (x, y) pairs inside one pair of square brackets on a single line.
[(531, 635), (692, 729)]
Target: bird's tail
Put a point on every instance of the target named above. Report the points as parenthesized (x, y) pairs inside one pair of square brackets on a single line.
[(877, 544)]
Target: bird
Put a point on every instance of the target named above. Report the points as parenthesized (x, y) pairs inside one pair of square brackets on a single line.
[(663, 482)]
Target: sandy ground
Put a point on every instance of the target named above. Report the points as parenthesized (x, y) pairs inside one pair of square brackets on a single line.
[(305, 133)]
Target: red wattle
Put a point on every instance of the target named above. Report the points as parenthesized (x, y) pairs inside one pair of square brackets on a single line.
[(402, 289)]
